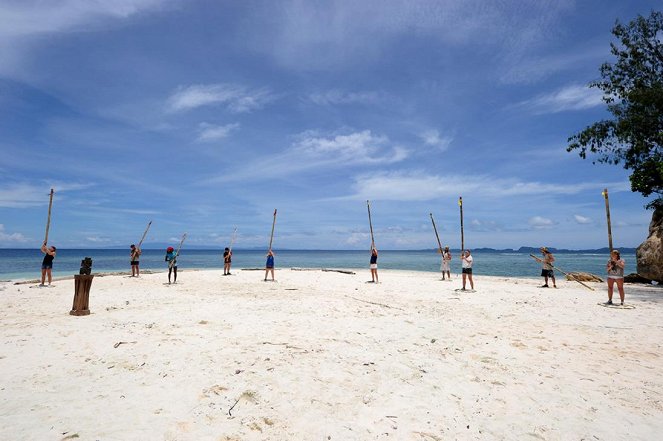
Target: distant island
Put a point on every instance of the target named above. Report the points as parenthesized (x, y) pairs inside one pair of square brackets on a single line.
[(526, 250)]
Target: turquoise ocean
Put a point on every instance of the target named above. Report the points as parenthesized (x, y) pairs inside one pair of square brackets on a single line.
[(17, 264)]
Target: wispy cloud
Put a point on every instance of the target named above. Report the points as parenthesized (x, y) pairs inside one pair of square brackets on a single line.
[(23, 195), (312, 35), (236, 98), (362, 147), (37, 17), (582, 220), (7, 237), (432, 138), (540, 223), (573, 97), (339, 97), (523, 69), (211, 132), (414, 186), (312, 150), (485, 225), (97, 239)]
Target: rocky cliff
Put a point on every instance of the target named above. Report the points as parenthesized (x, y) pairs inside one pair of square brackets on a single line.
[(650, 252)]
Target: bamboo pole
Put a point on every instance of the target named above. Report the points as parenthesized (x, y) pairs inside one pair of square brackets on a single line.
[(607, 215), (462, 230), (232, 239), (370, 224), (560, 270), (177, 253), (48, 220), (271, 236), (149, 224), (437, 236)]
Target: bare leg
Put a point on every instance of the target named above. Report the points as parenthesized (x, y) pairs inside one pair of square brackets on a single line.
[(170, 271), (174, 274), (137, 271), (449, 275), (49, 274), (43, 276), (469, 276), (553, 280), (464, 277), (266, 272), (620, 287), (610, 285)]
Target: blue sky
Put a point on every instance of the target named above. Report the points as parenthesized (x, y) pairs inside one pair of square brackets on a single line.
[(205, 115)]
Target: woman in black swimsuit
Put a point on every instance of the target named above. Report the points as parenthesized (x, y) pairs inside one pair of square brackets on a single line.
[(47, 263)]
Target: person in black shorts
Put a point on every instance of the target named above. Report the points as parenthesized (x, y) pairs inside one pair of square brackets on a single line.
[(227, 260), (134, 256), (547, 267), (47, 263)]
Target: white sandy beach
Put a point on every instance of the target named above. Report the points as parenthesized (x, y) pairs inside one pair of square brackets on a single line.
[(311, 358)]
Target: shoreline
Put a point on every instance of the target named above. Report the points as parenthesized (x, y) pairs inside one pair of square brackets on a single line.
[(324, 355)]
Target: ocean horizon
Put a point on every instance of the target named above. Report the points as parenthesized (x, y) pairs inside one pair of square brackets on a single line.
[(20, 264)]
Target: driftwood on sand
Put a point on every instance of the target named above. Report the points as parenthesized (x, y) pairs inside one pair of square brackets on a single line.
[(583, 277)]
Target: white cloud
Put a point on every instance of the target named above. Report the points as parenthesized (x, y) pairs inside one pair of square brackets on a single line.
[(336, 97), (540, 223), (432, 138), (11, 237), (27, 17), (97, 239), (573, 97), (22, 195), (329, 35), (360, 147), (415, 186), (312, 150), (211, 132), (582, 219), (236, 98)]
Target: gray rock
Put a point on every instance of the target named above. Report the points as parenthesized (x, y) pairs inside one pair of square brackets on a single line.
[(649, 254), (636, 278)]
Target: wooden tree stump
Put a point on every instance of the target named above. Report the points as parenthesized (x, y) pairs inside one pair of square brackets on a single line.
[(82, 284)]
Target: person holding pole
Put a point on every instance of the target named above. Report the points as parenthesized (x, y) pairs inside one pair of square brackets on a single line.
[(547, 269), (47, 263), (171, 258), (227, 260), (466, 263), (446, 263), (374, 265), (269, 265), (615, 268), (134, 255)]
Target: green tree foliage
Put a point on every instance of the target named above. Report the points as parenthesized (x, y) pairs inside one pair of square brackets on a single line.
[(633, 90)]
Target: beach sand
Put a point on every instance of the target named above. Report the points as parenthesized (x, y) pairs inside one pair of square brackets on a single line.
[(327, 356)]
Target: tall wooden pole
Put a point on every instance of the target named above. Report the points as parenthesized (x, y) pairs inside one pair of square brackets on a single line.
[(149, 224), (462, 230), (607, 215), (48, 220), (271, 236), (232, 240), (436, 235), (370, 224)]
